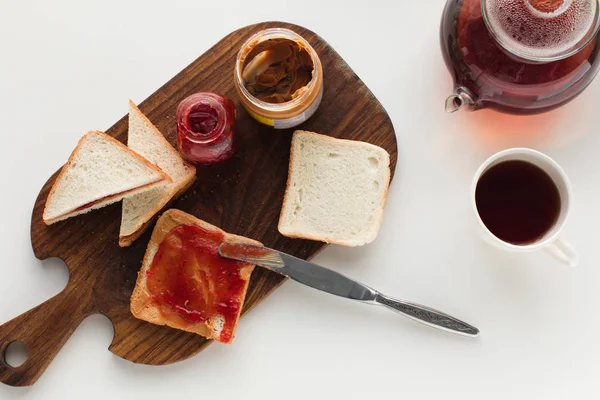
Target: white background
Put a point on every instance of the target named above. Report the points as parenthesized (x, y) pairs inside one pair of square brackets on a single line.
[(67, 67)]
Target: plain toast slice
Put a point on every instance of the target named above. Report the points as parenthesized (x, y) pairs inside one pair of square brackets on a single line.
[(336, 190), (144, 305), (139, 210), (100, 171)]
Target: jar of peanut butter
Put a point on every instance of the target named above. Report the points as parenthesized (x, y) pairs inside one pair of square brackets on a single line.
[(279, 78)]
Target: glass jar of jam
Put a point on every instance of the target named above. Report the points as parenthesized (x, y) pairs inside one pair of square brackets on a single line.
[(279, 78), (206, 128)]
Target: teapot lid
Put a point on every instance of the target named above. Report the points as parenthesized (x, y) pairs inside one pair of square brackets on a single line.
[(542, 30)]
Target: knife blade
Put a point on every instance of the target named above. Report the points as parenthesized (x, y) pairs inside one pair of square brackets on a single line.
[(332, 282)]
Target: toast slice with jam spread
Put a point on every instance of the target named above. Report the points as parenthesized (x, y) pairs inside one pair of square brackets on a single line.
[(184, 283)]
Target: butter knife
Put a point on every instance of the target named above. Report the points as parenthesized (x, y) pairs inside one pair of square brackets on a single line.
[(329, 281)]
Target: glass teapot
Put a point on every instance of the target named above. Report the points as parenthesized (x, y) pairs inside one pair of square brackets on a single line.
[(519, 56)]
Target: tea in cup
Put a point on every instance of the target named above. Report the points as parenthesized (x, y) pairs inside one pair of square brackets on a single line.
[(521, 200)]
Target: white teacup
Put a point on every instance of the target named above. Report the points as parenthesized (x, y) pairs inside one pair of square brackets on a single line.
[(550, 241)]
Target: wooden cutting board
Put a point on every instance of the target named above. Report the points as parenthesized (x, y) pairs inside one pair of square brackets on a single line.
[(242, 196)]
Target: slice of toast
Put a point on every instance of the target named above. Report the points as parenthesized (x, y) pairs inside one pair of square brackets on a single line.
[(100, 171), (336, 190), (148, 307), (139, 210)]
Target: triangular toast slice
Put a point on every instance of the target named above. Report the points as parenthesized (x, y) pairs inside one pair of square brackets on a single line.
[(100, 171), (146, 140)]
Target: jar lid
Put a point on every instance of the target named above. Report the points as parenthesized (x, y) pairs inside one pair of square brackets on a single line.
[(542, 30)]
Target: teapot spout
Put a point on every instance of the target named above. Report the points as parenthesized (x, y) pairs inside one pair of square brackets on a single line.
[(460, 99)]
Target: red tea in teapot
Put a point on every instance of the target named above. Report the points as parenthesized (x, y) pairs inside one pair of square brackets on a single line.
[(519, 56)]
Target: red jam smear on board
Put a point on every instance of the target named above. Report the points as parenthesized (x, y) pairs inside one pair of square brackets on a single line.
[(191, 279)]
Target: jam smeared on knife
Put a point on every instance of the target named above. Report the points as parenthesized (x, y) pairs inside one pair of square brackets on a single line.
[(245, 250), (206, 128), (191, 279)]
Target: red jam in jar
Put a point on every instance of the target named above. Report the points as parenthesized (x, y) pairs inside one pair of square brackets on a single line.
[(206, 128)]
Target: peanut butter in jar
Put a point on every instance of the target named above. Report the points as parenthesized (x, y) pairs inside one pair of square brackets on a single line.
[(279, 78)]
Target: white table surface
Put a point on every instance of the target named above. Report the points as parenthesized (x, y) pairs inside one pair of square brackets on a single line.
[(67, 67)]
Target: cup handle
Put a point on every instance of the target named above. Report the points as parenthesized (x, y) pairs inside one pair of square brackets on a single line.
[(564, 252)]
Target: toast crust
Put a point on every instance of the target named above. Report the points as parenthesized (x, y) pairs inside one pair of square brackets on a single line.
[(288, 191), (141, 304), (144, 222), (163, 178)]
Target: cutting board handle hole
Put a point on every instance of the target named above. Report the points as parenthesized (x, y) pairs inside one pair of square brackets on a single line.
[(15, 354)]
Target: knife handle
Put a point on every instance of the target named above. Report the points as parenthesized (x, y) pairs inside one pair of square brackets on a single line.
[(426, 315)]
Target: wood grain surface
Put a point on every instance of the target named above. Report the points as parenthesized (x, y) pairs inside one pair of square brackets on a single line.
[(242, 196)]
